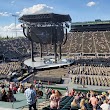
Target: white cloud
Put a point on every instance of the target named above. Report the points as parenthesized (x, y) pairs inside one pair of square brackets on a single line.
[(90, 4), (10, 30), (36, 9), (17, 13), (12, 2), (5, 14)]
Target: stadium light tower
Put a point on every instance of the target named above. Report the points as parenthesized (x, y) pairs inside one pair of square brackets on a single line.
[(14, 15)]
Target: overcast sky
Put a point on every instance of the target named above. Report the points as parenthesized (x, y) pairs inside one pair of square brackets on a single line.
[(79, 10)]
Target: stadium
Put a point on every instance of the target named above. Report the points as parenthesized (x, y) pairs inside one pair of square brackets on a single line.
[(86, 49)]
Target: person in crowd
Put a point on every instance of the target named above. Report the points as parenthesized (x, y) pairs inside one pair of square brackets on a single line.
[(10, 96), (74, 104), (93, 100), (2, 88), (72, 92), (49, 92), (91, 93), (105, 105), (100, 102), (53, 93), (77, 96), (11, 85), (103, 96), (15, 89), (21, 89), (4, 96), (31, 97), (46, 90), (82, 104), (109, 94), (67, 93), (88, 94), (55, 99), (35, 82)]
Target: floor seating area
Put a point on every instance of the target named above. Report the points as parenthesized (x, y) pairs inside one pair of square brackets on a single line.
[(90, 75), (6, 68)]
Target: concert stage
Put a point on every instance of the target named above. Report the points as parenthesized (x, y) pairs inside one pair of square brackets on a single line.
[(47, 62)]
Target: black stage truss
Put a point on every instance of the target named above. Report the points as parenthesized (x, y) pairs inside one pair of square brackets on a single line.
[(46, 29)]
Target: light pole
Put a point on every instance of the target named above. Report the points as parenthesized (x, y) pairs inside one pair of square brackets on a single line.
[(14, 15)]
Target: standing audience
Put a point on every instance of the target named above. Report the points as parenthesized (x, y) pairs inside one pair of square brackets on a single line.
[(55, 99), (31, 97), (105, 105)]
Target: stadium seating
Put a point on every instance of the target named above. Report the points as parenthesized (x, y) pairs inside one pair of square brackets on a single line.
[(77, 42), (89, 75)]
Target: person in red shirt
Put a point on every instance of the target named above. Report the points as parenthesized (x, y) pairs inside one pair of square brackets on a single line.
[(15, 89)]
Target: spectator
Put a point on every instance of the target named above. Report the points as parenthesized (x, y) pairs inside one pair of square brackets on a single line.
[(103, 96), (3, 95), (15, 89), (82, 104), (31, 97), (105, 105), (93, 100), (21, 89), (74, 104), (71, 92), (48, 93), (46, 90), (10, 96), (67, 93), (109, 95), (55, 99)]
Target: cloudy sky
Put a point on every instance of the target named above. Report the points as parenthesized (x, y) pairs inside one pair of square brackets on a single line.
[(79, 10)]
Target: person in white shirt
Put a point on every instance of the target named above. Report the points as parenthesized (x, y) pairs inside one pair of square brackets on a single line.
[(105, 105)]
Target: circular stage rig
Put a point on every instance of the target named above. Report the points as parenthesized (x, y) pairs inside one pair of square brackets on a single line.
[(48, 62)]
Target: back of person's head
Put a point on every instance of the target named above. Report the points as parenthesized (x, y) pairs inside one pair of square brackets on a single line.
[(20, 86), (53, 91), (94, 95), (105, 101), (109, 91), (31, 86), (104, 93), (91, 92), (2, 86), (82, 102), (74, 103), (58, 93), (72, 89)]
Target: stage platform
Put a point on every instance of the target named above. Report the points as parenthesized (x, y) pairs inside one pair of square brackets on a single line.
[(47, 62)]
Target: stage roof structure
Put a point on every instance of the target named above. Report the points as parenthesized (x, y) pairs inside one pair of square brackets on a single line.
[(47, 28), (49, 17)]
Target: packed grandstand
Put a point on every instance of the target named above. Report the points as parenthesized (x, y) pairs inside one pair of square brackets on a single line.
[(88, 43)]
